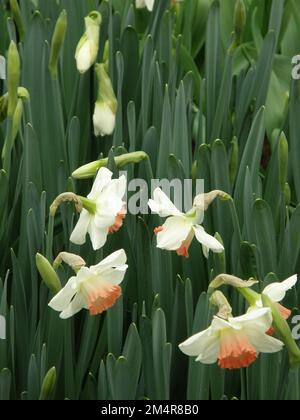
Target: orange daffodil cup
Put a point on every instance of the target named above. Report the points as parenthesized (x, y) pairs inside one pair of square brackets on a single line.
[(178, 231), (95, 288), (104, 210)]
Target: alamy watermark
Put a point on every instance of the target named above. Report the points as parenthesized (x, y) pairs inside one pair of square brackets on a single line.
[(180, 192), (296, 67), (2, 328)]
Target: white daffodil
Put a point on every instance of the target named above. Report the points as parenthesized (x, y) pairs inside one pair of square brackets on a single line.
[(179, 229), (88, 46), (276, 292), (104, 210), (95, 288), (104, 117), (141, 4), (235, 343)]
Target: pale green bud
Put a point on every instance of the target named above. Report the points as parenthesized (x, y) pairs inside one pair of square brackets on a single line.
[(240, 18), (13, 78), (57, 42), (48, 273), (17, 16), (48, 384), (90, 170)]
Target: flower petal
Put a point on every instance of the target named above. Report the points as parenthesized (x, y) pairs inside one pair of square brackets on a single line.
[(162, 205), (63, 298), (74, 307), (259, 319), (78, 235), (102, 179), (207, 240), (263, 342), (98, 236), (116, 259), (175, 230), (205, 345), (277, 291), (104, 120), (113, 268)]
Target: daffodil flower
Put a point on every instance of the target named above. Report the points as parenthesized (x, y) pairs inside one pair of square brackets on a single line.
[(88, 46), (104, 210), (235, 343), (95, 288), (180, 229)]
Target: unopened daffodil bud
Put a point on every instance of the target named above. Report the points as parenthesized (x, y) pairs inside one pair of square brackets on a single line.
[(229, 280), (90, 170), (57, 42), (219, 300), (88, 46), (13, 78), (3, 107), (106, 106), (48, 384), (17, 16), (240, 18), (73, 260), (203, 201), (48, 273)]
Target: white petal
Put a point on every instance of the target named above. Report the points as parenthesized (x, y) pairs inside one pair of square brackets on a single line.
[(84, 58), (78, 235), (74, 307), (117, 187), (113, 268), (260, 319), (104, 119), (162, 205), (63, 298), (205, 251), (175, 230), (102, 179), (98, 236), (207, 240), (150, 4), (205, 345), (264, 343), (116, 259), (140, 4), (277, 291)]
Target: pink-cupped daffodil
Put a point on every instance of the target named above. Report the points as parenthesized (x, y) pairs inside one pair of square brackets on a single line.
[(95, 288), (177, 233), (275, 292), (103, 210), (234, 342)]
